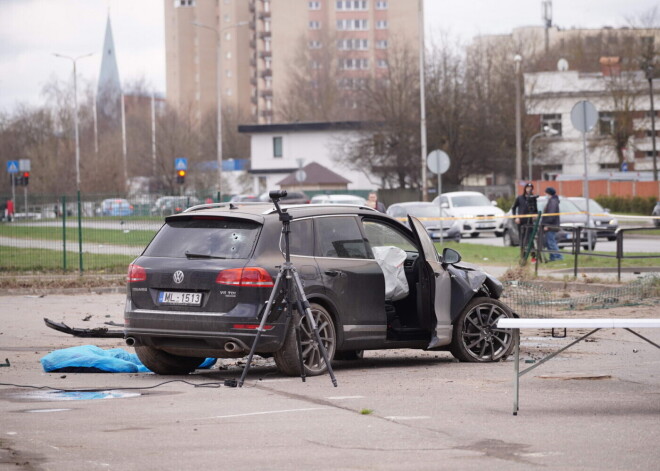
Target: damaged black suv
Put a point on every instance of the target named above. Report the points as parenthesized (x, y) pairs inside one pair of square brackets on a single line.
[(200, 287)]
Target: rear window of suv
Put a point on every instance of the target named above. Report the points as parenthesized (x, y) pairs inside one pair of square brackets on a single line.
[(205, 238)]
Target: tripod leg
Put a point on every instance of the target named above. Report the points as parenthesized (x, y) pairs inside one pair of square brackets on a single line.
[(273, 293), (298, 329), (302, 299)]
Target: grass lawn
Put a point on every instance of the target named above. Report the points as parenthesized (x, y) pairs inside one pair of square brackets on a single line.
[(20, 260), (97, 236)]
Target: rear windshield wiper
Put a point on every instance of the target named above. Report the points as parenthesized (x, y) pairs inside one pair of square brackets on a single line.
[(201, 255)]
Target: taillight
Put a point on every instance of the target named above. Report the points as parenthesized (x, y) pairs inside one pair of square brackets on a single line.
[(249, 276), (252, 326), (136, 273)]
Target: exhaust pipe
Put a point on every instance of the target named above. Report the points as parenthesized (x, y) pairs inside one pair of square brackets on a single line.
[(130, 341), (232, 347)]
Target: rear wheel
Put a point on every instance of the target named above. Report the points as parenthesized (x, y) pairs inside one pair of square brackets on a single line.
[(476, 337), (164, 363), (286, 358)]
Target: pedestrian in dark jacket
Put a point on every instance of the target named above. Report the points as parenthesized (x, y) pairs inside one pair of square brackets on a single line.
[(550, 232), (520, 207)]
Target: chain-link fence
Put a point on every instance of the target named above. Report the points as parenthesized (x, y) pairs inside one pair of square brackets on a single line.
[(97, 232)]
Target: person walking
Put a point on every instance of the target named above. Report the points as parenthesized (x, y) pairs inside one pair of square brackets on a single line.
[(10, 210), (372, 202), (521, 206), (551, 224)]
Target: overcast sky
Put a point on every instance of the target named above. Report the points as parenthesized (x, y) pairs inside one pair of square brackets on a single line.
[(31, 30)]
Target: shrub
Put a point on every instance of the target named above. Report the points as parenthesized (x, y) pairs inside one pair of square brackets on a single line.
[(634, 205)]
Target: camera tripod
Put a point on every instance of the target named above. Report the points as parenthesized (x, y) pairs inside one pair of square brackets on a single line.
[(288, 283)]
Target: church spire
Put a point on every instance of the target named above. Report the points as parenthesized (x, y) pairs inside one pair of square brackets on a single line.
[(109, 86)]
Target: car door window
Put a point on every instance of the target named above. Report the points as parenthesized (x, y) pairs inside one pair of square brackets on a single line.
[(301, 239), (380, 234), (340, 237)]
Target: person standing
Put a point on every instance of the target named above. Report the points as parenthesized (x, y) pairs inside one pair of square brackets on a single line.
[(372, 202), (521, 207), (551, 224), (10, 210)]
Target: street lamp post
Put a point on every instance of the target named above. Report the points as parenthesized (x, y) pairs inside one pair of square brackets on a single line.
[(547, 131), (75, 121), (218, 34), (75, 116), (422, 100), (650, 72), (517, 59)]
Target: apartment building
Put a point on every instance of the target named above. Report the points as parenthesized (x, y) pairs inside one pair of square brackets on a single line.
[(257, 42)]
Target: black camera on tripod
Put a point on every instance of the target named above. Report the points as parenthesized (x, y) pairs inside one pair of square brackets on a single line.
[(532, 207)]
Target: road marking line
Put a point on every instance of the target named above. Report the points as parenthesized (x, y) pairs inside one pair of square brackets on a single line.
[(339, 398), (265, 413), (400, 417)]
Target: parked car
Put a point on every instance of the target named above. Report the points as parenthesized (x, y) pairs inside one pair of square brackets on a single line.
[(428, 214), (656, 212), (244, 199), (199, 288), (116, 207), (479, 213), (166, 205), (511, 234), (600, 217), (338, 199), (292, 197)]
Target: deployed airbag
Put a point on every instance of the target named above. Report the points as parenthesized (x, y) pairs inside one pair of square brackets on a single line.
[(391, 260)]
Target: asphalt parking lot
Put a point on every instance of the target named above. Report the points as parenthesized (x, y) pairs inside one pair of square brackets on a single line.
[(597, 406)]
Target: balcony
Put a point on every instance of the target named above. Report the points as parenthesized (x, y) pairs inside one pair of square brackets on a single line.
[(266, 93), (253, 81), (254, 100), (264, 34), (264, 14), (264, 54), (266, 73), (266, 113)]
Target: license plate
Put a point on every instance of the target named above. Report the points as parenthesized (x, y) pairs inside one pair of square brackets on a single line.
[(486, 225), (182, 299)]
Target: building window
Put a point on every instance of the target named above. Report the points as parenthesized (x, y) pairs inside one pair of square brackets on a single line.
[(227, 18), (314, 25), (382, 5), (606, 123), (354, 64), (381, 44), (277, 147), (381, 24), (352, 25), (184, 3), (352, 5), (314, 5), (353, 44), (649, 153), (315, 44), (382, 63), (552, 121)]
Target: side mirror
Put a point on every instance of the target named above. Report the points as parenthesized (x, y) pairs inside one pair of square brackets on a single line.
[(450, 256), (444, 205), (494, 203)]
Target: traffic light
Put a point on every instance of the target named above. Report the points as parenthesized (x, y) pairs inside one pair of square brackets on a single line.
[(25, 178), (181, 176)]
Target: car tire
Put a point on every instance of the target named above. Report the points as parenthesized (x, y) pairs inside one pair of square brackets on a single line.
[(164, 363), (476, 338), (507, 240), (286, 358), (349, 355)]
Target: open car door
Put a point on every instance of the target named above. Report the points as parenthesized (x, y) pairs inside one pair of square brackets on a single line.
[(436, 293)]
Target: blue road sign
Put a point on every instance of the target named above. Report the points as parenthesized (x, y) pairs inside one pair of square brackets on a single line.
[(181, 164), (624, 167), (12, 166)]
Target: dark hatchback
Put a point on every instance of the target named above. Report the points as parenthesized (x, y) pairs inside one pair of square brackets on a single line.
[(200, 287)]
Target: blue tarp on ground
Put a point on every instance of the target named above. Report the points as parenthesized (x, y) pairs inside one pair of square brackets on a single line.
[(93, 359)]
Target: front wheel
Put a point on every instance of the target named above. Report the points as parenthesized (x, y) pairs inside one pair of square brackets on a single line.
[(286, 358), (476, 337)]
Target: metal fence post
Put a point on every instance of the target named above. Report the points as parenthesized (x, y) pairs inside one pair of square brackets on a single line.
[(80, 250), (619, 253), (577, 240), (63, 232)]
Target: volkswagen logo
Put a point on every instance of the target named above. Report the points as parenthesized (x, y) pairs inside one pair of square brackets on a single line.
[(178, 276)]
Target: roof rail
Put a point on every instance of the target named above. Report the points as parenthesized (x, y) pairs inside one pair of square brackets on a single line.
[(326, 205), (199, 207)]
